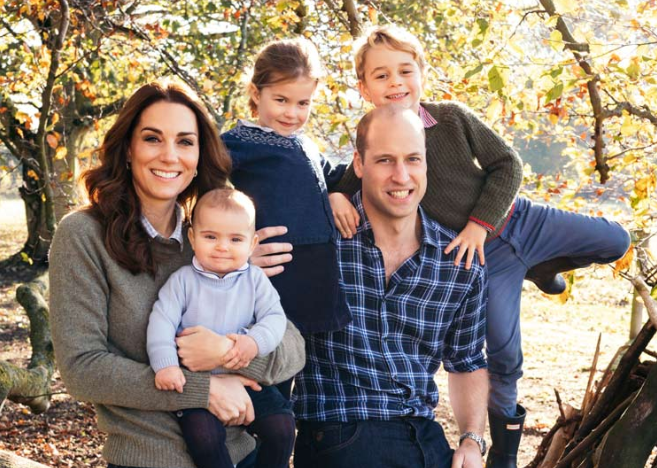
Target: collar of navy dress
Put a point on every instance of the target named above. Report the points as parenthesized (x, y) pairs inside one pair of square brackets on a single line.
[(382, 364)]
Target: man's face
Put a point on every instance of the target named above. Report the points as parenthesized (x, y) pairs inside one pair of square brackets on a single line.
[(393, 169)]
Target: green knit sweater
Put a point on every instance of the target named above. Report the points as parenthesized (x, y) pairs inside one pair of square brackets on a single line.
[(472, 174), (99, 314)]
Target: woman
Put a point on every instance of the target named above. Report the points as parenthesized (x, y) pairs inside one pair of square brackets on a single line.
[(108, 262)]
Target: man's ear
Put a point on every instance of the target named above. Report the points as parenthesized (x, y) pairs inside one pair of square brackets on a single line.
[(358, 165), (364, 92), (190, 236)]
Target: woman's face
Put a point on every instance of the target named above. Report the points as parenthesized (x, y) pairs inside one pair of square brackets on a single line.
[(164, 152)]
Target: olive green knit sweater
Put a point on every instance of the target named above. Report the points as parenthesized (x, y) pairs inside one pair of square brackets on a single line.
[(99, 314), (472, 174)]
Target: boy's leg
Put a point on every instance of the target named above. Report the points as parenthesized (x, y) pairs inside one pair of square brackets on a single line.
[(274, 426), (205, 437), (565, 240)]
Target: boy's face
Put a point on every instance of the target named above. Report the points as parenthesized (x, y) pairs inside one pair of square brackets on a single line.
[(391, 75), (222, 240)]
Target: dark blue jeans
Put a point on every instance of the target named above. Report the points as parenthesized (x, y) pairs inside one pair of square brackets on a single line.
[(398, 443)]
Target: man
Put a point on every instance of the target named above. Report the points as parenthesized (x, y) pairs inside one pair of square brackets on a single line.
[(366, 396)]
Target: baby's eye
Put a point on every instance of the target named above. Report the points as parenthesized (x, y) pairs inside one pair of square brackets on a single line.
[(236, 239)]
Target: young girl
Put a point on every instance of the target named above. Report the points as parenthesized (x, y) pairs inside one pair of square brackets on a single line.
[(282, 171)]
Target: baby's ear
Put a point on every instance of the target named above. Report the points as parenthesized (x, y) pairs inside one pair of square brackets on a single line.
[(190, 236)]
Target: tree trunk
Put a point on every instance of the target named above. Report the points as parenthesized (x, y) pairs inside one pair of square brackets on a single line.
[(31, 386), (9, 460), (38, 236), (630, 442)]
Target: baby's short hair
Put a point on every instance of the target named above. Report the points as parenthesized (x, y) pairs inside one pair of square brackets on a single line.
[(226, 199), (390, 36)]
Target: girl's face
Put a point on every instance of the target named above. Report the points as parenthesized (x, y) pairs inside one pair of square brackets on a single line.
[(164, 152), (285, 107)]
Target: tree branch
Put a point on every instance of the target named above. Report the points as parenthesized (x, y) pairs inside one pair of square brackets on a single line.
[(644, 291), (46, 104), (355, 25), (338, 13)]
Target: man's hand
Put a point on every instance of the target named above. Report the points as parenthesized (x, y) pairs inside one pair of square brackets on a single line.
[(200, 349), (229, 401), (245, 349), (467, 455), (270, 256), (469, 240), (345, 215), (170, 378)]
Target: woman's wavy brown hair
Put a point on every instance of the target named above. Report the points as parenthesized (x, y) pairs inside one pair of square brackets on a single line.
[(112, 196)]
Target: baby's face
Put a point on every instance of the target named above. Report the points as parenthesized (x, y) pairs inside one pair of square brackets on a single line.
[(222, 240)]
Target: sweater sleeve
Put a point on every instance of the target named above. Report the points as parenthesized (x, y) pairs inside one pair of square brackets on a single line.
[(503, 169), (79, 302), (349, 183), (163, 323), (270, 319)]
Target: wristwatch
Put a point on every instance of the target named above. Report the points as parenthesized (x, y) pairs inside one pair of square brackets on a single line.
[(477, 438)]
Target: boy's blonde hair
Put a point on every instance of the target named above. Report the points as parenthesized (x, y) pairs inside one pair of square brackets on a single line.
[(226, 199), (390, 36)]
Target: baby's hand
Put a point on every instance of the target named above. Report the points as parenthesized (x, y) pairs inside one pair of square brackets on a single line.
[(345, 215), (242, 353), (170, 378)]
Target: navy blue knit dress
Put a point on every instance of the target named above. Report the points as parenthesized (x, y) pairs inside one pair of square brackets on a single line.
[(288, 180)]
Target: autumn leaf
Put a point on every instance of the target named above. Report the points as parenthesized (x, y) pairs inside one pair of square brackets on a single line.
[(61, 152), (52, 140), (624, 263)]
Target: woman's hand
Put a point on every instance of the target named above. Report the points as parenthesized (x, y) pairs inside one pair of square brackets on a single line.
[(200, 349), (470, 240), (229, 401), (270, 256), (345, 215)]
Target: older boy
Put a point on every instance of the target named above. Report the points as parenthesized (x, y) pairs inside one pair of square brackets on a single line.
[(473, 180)]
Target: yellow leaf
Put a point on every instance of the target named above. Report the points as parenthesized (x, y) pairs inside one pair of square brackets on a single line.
[(85, 154), (629, 127), (554, 119), (565, 6), (20, 132), (494, 111), (32, 174), (556, 40), (60, 153), (54, 119)]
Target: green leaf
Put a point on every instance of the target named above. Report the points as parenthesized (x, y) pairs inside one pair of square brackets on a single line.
[(483, 26), (556, 72), (474, 71), (554, 93), (653, 292), (495, 80), (344, 139)]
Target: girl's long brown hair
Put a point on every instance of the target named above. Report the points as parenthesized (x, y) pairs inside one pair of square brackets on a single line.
[(112, 196)]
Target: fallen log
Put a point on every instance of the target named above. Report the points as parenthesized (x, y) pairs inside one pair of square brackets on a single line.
[(10, 460), (31, 386)]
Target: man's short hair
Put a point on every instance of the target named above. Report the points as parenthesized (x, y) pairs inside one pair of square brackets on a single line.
[(388, 110), (390, 36), (226, 199)]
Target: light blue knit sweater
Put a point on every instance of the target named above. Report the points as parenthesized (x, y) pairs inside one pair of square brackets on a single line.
[(243, 301)]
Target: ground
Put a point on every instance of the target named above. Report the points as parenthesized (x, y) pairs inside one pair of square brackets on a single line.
[(559, 342)]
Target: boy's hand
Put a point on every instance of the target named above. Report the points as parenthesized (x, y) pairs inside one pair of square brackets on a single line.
[(242, 353), (170, 378), (469, 240), (272, 255), (345, 215)]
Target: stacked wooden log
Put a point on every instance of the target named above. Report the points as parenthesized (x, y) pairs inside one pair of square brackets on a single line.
[(616, 426)]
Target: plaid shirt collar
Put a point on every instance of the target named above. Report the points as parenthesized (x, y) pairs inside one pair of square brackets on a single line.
[(429, 236), (176, 235), (427, 119)]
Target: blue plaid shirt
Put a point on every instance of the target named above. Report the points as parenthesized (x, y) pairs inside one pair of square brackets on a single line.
[(382, 364)]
